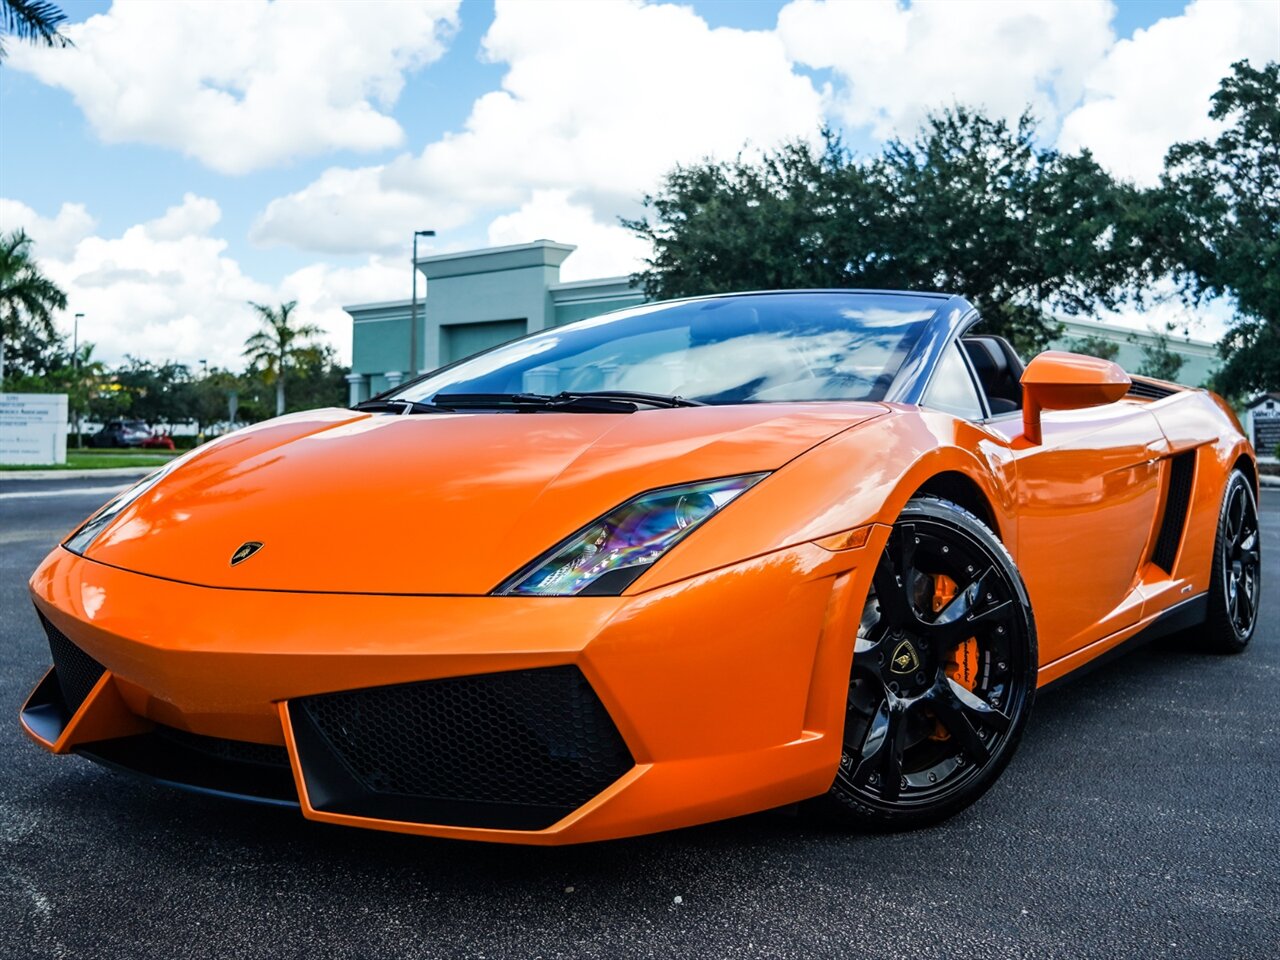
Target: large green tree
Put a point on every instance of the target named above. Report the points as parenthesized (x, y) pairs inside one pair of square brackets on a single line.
[(280, 346), (33, 21), (971, 205), (1220, 223), (29, 341)]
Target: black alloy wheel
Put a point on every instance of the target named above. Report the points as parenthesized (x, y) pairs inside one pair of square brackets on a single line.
[(1235, 590), (943, 675)]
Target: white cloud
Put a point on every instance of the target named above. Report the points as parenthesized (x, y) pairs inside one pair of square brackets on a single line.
[(163, 290), (604, 249), (51, 236), (599, 100), (354, 211), (322, 289), (167, 290), (1153, 90), (195, 215), (246, 84), (896, 63)]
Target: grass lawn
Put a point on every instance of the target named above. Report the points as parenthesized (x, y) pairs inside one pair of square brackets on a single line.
[(101, 460)]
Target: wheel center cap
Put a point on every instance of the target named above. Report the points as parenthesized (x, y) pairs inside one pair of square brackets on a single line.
[(904, 659)]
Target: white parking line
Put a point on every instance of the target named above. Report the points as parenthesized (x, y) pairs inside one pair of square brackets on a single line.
[(72, 492)]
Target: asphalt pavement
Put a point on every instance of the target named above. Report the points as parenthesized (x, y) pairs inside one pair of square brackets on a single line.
[(1140, 818)]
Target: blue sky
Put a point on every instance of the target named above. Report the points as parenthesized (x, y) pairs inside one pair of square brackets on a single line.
[(185, 158)]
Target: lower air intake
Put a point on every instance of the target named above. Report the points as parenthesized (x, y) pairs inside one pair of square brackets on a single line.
[(76, 671), (515, 750)]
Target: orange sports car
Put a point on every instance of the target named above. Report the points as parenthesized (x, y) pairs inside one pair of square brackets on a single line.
[(659, 567)]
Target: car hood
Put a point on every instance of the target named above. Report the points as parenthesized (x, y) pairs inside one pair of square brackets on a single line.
[(434, 503)]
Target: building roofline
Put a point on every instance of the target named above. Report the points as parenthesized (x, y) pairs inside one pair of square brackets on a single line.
[(379, 305), (597, 282), (568, 248)]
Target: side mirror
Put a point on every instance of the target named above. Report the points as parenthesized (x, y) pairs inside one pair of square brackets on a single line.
[(1067, 381)]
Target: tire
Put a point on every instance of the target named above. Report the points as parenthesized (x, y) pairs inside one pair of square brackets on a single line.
[(1235, 584), (943, 677)]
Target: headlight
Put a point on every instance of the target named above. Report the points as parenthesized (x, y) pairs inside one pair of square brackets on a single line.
[(608, 554), (83, 538)]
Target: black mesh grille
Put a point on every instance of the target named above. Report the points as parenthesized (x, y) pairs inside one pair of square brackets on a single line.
[(539, 738), (1182, 470), (238, 751), (76, 671)]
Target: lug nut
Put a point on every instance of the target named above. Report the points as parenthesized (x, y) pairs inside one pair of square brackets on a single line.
[(933, 778)]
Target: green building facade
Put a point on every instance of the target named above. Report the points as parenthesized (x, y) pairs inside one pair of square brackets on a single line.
[(478, 298)]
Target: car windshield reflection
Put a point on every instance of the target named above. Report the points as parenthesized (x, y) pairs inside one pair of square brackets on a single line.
[(752, 348)]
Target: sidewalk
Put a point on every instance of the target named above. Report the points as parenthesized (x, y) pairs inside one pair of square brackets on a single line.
[(142, 471)]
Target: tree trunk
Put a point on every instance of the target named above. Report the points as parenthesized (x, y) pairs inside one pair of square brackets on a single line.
[(1, 359), (280, 395)]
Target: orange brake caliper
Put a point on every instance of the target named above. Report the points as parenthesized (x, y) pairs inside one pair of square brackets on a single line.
[(963, 665)]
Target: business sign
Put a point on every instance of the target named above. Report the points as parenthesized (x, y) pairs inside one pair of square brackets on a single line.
[(1266, 428), (33, 428)]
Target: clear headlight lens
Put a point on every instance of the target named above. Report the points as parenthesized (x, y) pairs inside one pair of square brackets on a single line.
[(607, 555)]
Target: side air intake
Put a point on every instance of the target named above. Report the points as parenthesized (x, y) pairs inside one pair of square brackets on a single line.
[(76, 671), (1182, 469)]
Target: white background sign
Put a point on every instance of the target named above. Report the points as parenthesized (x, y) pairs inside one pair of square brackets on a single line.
[(33, 428)]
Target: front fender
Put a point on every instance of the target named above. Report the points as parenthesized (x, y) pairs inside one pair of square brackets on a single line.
[(861, 476)]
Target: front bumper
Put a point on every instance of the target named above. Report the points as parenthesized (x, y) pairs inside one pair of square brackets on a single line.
[(725, 690)]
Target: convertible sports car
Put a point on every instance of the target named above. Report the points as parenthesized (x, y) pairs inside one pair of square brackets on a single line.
[(667, 565)]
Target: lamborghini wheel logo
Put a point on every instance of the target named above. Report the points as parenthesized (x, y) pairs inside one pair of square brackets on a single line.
[(245, 551), (904, 659)]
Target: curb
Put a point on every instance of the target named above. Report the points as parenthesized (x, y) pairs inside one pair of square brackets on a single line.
[(6, 475)]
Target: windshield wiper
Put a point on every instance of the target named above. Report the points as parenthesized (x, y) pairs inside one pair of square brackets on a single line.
[(534, 402), (634, 396), (399, 406), (573, 401)]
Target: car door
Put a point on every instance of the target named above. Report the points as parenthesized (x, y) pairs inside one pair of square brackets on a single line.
[(1088, 496)]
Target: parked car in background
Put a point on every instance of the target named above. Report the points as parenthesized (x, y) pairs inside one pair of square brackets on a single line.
[(159, 441), (121, 433)]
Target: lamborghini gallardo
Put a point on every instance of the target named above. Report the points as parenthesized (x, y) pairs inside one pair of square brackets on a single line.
[(659, 567)]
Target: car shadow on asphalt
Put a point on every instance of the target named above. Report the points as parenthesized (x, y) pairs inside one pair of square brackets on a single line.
[(169, 828)]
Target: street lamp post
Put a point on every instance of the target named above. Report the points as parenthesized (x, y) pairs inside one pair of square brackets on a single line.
[(413, 313), (75, 367)]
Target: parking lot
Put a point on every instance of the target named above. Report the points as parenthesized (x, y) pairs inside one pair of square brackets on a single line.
[(1141, 818)]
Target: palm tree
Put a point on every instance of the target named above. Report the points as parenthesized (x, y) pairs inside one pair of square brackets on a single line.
[(279, 346), (34, 21), (27, 297)]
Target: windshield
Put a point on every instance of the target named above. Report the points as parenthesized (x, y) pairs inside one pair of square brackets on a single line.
[(754, 348)]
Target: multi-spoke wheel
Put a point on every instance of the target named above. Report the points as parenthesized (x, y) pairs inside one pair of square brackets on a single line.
[(1236, 585), (943, 672)]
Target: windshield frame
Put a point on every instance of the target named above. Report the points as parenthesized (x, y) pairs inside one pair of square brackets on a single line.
[(951, 316)]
